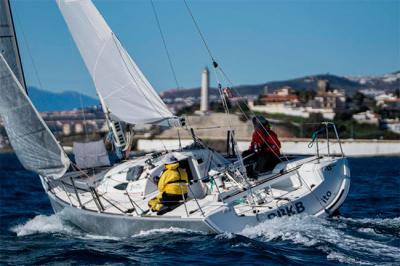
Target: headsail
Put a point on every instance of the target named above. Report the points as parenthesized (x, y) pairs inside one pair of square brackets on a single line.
[(125, 90), (8, 41), (31, 139)]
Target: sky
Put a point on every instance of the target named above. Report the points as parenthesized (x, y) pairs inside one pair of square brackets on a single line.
[(254, 41)]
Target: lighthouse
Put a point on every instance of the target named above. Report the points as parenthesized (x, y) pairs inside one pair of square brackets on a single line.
[(205, 83)]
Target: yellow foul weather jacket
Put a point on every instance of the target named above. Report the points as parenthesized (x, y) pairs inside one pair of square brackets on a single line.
[(174, 180)]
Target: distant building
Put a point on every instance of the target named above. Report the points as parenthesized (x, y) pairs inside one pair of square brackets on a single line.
[(367, 117), (282, 101), (66, 129), (371, 92), (265, 90), (391, 124), (78, 128), (328, 98), (388, 101), (392, 104), (282, 95)]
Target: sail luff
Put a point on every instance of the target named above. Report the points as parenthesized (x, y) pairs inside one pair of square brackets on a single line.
[(127, 93), (9, 43), (33, 143)]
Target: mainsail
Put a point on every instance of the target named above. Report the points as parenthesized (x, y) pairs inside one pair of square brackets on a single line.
[(125, 90), (31, 139), (8, 41)]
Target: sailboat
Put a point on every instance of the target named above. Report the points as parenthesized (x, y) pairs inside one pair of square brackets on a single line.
[(113, 199)]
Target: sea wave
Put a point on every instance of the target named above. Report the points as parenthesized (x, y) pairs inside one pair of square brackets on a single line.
[(55, 223), (43, 224), (173, 230), (379, 226), (338, 238)]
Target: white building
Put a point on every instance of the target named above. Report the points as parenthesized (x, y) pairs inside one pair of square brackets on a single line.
[(367, 117), (392, 125), (284, 102)]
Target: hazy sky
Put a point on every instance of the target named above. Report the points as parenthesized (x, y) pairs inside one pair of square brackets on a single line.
[(255, 41)]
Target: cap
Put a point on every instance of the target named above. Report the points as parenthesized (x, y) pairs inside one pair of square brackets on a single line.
[(169, 159)]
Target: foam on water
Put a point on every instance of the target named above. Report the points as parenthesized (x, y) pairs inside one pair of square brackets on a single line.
[(225, 236), (43, 224), (330, 236), (173, 230), (51, 224)]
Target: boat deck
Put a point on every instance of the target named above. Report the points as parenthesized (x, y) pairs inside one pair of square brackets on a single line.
[(125, 203), (131, 204)]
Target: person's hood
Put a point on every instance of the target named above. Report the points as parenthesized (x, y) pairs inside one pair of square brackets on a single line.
[(172, 166)]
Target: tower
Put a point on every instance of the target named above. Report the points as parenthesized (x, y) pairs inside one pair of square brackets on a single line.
[(205, 83)]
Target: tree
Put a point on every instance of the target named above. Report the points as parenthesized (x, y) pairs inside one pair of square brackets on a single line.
[(343, 116), (397, 93), (358, 100)]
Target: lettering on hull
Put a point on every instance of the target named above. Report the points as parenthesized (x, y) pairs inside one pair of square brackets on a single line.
[(288, 210)]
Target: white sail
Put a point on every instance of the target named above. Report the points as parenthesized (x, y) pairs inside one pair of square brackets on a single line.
[(90, 154), (8, 41), (31, 139), (125, 90)]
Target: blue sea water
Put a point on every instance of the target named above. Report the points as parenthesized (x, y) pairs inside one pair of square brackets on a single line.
[(367, 233)]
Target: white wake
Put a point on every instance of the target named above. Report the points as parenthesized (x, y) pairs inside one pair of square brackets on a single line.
[(43, 224), (51, 224)]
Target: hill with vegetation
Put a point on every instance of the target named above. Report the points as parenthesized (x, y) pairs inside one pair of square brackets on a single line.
[(388, 82), (46, 101)]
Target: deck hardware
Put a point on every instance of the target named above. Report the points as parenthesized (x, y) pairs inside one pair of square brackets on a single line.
[(76, 193)]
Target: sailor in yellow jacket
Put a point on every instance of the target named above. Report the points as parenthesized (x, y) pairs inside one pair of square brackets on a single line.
[(172, 186)]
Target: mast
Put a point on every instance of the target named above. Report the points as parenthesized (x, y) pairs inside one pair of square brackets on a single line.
[(8, 42)]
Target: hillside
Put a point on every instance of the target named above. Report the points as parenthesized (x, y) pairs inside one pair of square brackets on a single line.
[(46, 101), (184, 93), (388, 82)]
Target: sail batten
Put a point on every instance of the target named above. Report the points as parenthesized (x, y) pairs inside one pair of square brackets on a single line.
[(32, 141), (127, 93)]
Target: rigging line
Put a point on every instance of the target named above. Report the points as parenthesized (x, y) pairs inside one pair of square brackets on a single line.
[(200, 33), (37, 72), (16, 43), (25, 40), (84, 117), (240, 96), (28, 50), (246, 116), (164, 43), (226, 107), (215, 64), (262, 137)]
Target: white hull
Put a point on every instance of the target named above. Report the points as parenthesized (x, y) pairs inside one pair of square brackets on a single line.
[(323, 200)]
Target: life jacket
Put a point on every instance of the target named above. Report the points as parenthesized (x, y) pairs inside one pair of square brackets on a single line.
[(174, 180), (265, 140)]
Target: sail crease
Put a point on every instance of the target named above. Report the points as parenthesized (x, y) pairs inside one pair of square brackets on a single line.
[(115, 75), (32, 141)]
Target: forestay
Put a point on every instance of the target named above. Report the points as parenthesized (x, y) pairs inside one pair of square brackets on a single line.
[(125, 90), (34, 144)]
